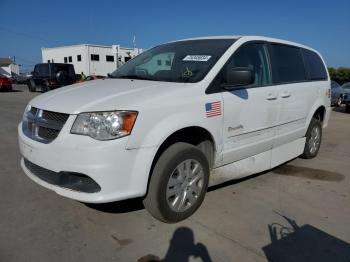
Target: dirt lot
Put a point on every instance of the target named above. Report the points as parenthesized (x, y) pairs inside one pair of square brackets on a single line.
[(299, 211)]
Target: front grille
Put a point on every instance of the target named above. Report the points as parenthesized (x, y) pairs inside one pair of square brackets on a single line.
[(47, 133), (71, 180), (42, 125), (58, 117)]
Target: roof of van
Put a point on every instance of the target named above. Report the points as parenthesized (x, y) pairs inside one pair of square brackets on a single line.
[(249, 38)]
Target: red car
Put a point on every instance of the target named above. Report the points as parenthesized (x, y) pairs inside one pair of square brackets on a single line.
[(5, 83), (89, 78)]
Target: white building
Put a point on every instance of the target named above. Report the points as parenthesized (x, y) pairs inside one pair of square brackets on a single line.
[(90, 59), (8, 67)]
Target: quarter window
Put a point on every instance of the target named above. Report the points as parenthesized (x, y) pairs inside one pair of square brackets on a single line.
[(287, 64), (314, 65)]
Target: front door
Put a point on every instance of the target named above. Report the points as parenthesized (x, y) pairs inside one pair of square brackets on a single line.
[(250, 113)]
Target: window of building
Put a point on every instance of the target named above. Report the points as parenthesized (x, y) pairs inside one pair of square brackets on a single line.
[(48, 61), (159, 62), (95, 57), (70, 59), (78, 58), (109, 58), (314, 65), (287, 64), (127, 58), (65, 60)]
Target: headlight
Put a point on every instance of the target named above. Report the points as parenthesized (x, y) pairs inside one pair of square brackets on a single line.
[(104, 125)]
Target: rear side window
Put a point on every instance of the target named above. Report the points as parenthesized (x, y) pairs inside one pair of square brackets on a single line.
[(314, 66), (69, 69), (287, 64), (42, 70)]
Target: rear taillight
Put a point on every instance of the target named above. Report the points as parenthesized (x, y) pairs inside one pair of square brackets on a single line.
[(53, 82)]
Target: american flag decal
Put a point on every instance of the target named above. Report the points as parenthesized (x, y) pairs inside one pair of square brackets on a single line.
[(213, 109)]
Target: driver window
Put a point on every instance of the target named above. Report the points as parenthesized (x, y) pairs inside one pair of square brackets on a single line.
[(156, 65), (253, 56)]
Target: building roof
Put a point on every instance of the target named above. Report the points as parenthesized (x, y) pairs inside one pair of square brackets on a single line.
[(5, 61), (91, 45)]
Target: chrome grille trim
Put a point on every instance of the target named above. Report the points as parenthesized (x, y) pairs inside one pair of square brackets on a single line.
[(42, 125)]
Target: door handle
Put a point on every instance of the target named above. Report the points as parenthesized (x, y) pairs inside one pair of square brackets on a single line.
[(271, 96), (285, 94)]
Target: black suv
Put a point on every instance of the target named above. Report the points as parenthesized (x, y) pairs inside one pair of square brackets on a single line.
[(48, 76)]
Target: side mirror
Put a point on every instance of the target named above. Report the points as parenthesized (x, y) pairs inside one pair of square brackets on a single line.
[(238, 77)]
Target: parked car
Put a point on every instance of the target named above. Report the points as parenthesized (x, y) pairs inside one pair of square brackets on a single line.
[(177, 118), (19, 78), (346, 88), (5, 83), (49, 76), (337, 94), (91, 77)]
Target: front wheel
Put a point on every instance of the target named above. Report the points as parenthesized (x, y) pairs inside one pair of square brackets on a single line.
[(31, 86), (313, 139), (178, 183), (339, 101), (347, 108)]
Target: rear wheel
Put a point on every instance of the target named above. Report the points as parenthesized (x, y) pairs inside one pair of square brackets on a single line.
[(46, 86), (178, 183), (313, 139)]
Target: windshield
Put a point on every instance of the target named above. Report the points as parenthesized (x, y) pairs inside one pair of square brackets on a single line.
[(184, 61), (346, 86)]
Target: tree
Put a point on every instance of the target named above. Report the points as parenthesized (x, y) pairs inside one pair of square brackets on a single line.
[(340, 75)]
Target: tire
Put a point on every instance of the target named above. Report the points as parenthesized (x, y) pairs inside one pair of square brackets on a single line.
[(31, 86), (313, 139), (347, 108), (46, 87), (161, 200), (339, 101)]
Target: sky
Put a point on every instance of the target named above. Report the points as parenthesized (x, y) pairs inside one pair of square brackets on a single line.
[(27, 26)]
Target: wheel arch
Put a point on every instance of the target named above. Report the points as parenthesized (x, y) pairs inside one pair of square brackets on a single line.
[(193, 135)]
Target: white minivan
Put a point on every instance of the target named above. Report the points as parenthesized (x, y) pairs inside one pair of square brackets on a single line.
[(177, 118)]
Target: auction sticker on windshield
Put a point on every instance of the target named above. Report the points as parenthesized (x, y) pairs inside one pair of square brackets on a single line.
[(197, 58)]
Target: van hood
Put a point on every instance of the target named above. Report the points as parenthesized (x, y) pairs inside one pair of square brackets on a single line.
[(103, 95)]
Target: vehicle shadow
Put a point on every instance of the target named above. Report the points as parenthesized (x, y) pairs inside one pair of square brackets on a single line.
[(11, 91), (294, 243), (123, 206), (181, 248)]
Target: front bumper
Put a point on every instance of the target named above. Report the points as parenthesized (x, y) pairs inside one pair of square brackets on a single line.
[(120, 173)]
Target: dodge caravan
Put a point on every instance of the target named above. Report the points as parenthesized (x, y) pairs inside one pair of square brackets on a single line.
[(176, 119)]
